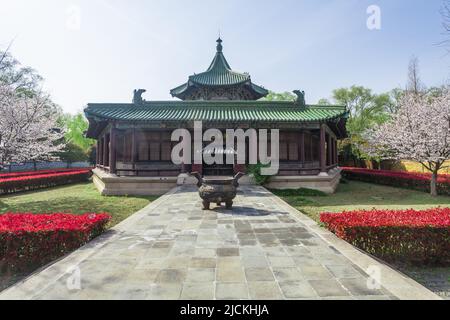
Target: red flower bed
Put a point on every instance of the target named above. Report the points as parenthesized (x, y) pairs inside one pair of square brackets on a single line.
[(410, 180), (44, 180), (38, 172), (28, 241), (396, 235)]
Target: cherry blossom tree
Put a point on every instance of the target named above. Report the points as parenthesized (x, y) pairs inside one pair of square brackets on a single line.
[(28, 126), (419, 131)]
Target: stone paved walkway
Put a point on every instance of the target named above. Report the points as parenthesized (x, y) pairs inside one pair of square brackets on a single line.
[(174, 250)]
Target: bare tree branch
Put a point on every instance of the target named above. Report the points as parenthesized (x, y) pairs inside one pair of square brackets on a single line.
[(445, 13), (5, 53), (414, 84)]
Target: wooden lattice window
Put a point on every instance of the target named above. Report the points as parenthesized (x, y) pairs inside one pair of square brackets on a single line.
[(315, 148), (155, 146), (289, 146), (308, 148), (143, 151)]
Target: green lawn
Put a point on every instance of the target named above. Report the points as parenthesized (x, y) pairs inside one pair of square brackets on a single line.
[(359, 195), (77, 199)]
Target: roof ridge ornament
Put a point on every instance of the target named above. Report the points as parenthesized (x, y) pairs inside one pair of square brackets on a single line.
[(219, 45), (300, 98), (137, 96)]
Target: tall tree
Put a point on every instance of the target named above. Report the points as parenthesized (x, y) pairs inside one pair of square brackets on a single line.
[(75, 127), (323, 102), (393, 104), (280, 96), (366, 110), (419, 131)]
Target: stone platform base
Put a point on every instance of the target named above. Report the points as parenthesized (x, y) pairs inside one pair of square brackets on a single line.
[(112, 185), (325, 182)]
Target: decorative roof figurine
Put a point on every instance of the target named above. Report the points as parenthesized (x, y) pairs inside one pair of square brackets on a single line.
[(300, 98), (137, 96)]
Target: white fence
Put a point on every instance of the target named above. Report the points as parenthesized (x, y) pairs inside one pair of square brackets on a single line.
[(34, 166)]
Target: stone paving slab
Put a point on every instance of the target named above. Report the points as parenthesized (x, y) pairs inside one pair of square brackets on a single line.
[(262, 249)]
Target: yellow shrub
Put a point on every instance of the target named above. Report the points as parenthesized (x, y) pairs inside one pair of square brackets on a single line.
[(411, 166)]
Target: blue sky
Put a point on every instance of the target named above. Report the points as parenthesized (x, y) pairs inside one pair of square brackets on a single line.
[(312, 45)]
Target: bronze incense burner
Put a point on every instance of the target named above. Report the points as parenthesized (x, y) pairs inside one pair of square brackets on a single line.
[(217, 190)]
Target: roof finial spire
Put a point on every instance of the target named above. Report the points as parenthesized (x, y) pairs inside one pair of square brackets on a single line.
[(219, 44)]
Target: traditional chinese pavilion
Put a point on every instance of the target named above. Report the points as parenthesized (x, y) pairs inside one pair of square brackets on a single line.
[(134, 139)]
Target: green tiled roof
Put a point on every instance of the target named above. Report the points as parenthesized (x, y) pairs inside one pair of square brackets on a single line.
[(179, 90), (260, 90), (219, 74), (218, 111)]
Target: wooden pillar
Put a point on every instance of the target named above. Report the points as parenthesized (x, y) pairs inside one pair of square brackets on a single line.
[(336, 153), (333, 158), (330, 150), (134, 153), (195, 167), (323, 156), (100, 151), (105, 150), (112, 151), (97, 154), (302, 149)]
